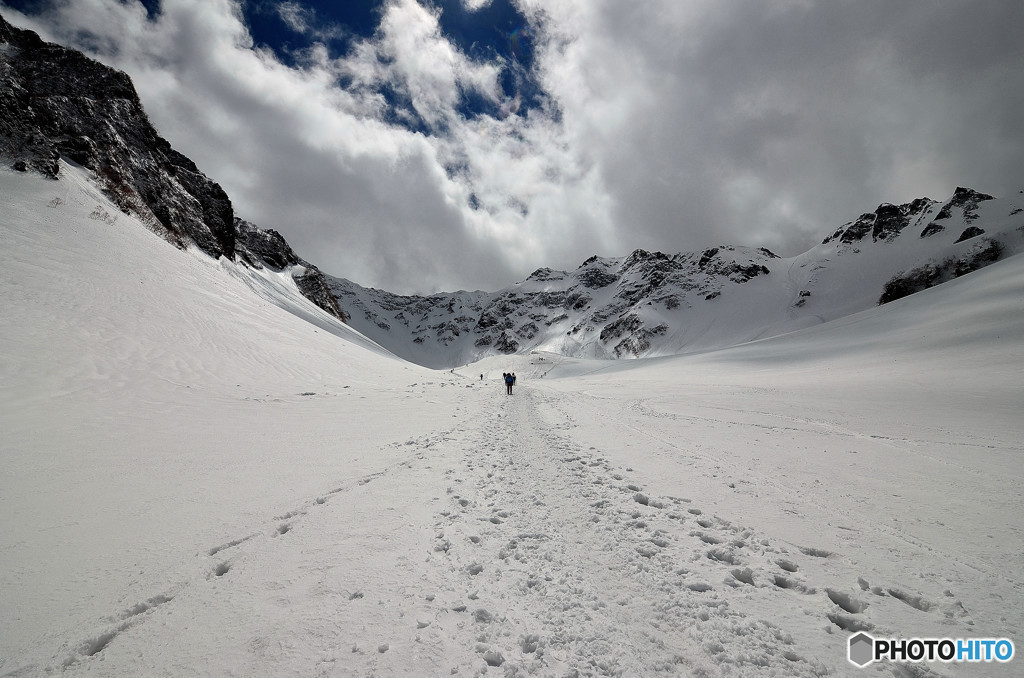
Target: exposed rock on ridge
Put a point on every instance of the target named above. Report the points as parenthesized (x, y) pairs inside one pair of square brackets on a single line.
[(267, 248), (606, 308)]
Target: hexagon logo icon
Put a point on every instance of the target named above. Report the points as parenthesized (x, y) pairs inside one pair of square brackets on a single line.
[(861, 651)]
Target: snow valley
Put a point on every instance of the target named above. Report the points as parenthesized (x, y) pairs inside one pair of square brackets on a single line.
[(198, 479), (207, 471)]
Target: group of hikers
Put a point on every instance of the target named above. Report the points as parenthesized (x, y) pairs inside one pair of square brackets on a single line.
[(509, 378)]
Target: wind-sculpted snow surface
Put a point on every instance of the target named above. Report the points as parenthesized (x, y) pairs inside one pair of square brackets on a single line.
[(653, 304)]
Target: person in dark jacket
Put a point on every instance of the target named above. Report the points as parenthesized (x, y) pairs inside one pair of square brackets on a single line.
[(509, 380)]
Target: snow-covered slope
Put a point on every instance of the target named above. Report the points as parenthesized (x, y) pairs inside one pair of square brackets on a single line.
[(197, 480), (650, 304), (141, 394)]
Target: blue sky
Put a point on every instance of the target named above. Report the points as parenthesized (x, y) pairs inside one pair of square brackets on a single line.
[(481, 33), (423, 145), (495, 32)]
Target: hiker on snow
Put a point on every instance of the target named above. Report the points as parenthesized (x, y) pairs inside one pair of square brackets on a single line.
[(509, 380)]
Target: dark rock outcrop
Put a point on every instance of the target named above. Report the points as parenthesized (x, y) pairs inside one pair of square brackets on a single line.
[(967, 200), (314, 287), (57, 103), (970, 232), (506, 343), (853, 231), (905, 283), (596, 278), (884, 224), (890, 220), (261, 248)]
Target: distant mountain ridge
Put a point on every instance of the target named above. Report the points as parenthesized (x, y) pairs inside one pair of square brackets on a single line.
[(651, 303), (55, 104)]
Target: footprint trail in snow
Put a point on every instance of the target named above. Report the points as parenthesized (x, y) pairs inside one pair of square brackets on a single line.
[(559, 563), (502, 544)]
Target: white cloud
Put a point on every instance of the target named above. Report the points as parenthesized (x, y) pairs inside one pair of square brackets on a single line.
[(304, 20), (295, 16)]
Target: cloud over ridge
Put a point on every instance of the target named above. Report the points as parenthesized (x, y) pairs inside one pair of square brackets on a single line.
[(406, 162)]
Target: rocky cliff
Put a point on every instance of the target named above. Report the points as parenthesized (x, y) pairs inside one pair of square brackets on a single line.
[(56, 103)]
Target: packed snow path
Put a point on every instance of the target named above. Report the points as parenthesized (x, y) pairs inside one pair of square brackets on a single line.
[(569, 567)]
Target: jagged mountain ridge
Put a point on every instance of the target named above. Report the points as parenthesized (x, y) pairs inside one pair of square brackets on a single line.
[(651, 303), (56, 103), (603, 296)]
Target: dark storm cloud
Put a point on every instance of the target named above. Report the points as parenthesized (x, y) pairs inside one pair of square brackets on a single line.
[(401, 153)]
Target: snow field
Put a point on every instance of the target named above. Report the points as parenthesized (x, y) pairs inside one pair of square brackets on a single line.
[(153, 405), (202, 474)]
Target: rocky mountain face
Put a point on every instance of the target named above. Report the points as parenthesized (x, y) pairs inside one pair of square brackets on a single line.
[(606, 308), (261, 248), (651, 303), (889, 221), (56, 103)]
